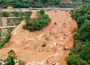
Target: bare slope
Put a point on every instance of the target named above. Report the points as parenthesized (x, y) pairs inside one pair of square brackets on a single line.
[(56, 36)]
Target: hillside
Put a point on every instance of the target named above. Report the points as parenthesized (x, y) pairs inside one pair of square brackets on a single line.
[(45, 47)]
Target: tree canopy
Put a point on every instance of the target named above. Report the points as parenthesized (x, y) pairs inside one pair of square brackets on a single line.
[(82, 37)]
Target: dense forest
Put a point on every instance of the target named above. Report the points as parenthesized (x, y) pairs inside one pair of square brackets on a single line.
[(80, 53), (39, 3)]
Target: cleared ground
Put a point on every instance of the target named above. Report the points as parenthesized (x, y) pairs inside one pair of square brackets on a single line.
[(57, 37)]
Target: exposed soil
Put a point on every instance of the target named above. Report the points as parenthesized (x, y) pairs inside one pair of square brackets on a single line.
[(57, 37)]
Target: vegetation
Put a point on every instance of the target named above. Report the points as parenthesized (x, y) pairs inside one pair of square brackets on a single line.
[(33, 3), (22, 15), (15, 14), (6, 39), (39, 3), (76, 60), (5, 14), (38, 23), (0, 34), (81, 14), (85, 53), (80, 53), (10, 59)]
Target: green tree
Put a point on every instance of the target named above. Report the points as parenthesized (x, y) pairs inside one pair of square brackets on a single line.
[(82, 37), (7, 2), (85, 31), (85, 53), (10, 59), (75, 59), (38, 23), (41, 11), (81, 14), (44, 1)]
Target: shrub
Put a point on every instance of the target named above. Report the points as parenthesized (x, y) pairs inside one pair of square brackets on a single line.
[(27, 13), (38, 23), (42, 11), (21, 13), (15, 13), (0, 33), (4, 41), (10, 59), (12, 53), (5, 14)]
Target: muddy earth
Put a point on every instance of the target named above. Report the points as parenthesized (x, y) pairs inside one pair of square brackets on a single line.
[(49, 46)]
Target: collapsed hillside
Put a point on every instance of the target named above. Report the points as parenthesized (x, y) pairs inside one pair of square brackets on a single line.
[(45, 47)]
